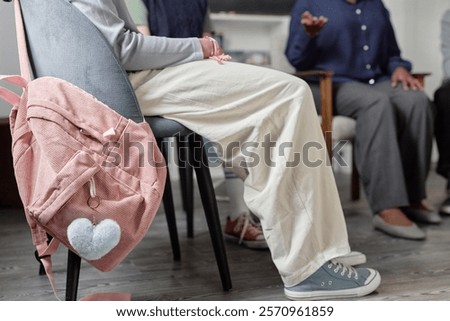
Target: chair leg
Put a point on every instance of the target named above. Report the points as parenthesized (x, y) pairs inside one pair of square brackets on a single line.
[(169, 208), (186, 181), (208, 198), (41, 266), (36, 255), (355, 179), (73, 276)]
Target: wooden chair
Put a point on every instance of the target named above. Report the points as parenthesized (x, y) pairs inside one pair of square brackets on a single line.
[(339, 127)]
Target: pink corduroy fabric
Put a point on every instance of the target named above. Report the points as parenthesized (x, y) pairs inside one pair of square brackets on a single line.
[(75, 158)]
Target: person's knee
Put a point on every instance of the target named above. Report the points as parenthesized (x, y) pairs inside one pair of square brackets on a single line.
[(297, 89), (421, 104), (413, 104), (378, 106)]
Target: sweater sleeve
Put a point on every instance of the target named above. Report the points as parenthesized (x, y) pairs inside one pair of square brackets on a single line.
[(301, 49), (136, 51)]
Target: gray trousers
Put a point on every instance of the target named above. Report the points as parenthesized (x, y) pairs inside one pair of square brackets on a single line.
[(394, 132)]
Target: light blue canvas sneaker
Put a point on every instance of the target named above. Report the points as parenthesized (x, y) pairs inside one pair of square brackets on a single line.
[(333, 281)]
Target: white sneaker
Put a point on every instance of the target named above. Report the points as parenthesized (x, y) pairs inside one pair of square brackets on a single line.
[(352, 258)]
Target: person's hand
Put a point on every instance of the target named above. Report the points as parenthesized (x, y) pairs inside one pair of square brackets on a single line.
[(401, 75), (312, 24), (210, 47)]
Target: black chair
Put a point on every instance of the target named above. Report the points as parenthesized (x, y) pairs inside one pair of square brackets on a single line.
[(63, 43)]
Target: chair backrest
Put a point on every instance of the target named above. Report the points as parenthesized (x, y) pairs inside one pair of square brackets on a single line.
[(64, 43)]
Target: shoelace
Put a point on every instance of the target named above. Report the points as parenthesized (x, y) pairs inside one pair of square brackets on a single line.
[(338, 266), (247, 223)]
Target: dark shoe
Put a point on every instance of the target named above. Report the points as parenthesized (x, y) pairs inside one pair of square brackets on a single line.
[(424, 216), (445, 207), (412, 232), (333, 281)]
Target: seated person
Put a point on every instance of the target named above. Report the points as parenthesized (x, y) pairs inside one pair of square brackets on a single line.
[(181, 19), (237, 104), (373, 85)]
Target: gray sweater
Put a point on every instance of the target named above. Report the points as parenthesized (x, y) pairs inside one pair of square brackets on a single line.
[(136, 51)]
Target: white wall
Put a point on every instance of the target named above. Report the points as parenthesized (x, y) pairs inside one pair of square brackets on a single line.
[(9, 63), (249, 32), (417, 26)]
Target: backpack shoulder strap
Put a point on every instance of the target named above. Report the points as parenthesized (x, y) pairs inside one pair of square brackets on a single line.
[(25, 67), (45, 253), (8, 95)]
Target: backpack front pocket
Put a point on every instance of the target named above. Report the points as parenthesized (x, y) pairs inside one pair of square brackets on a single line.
[(88, 210)]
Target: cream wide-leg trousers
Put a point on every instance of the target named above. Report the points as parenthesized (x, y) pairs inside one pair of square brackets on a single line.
[(266, 121)]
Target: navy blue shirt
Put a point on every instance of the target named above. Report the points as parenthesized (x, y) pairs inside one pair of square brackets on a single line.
[(357, 42), (176, 18)]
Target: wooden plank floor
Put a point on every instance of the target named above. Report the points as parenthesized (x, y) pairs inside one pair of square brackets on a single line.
[(410, 270)]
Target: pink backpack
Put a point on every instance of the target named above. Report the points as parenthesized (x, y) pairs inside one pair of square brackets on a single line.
[(81, 175), (87, 176)]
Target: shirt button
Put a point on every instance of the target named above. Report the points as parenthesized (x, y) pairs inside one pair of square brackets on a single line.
[(365, 47), (363, 27), (368, 66), (371, 81), (358, 11)]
